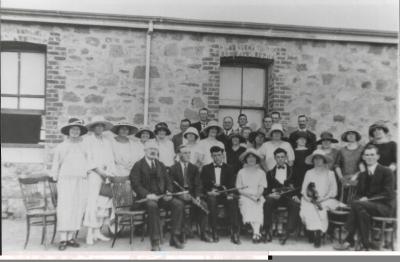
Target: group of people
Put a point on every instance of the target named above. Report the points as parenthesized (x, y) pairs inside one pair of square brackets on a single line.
[(247, 172)]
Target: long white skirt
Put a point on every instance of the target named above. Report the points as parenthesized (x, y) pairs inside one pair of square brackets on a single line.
[(252, 211), (315, 219), (71, 202), (97, 207)]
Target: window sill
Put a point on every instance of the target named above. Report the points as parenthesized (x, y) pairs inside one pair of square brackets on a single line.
[(15, 145)]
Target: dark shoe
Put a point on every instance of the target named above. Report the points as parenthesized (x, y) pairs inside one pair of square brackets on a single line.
[(155, 245), (284, 238), (175, 242), (206, 238), (215, 237), (310, 235), (317, 239), (235, 239), (267, 237), (62, 246), (374, 246), (72, 243), (183, 238)]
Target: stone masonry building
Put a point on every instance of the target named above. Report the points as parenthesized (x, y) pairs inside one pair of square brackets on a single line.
[(95, 64)]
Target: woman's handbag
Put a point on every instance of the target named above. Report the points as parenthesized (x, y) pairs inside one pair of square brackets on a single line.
[(105, 189)]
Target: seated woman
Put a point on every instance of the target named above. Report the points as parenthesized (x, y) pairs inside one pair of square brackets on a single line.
[(251, 201), (318, 191)]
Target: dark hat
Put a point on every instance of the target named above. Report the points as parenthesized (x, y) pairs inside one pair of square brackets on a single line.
[(254, 134), (145, 129), (300, 134), (378, 125), (326, 136), (344, 135), (162, 126), (241, 138), (132, 129), (74, 122)]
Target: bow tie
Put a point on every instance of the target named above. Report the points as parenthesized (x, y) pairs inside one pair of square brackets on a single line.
[(280, 167), (217, 166)]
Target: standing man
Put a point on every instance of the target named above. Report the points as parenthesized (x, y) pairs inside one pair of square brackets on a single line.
[(203, 123), (267, 123), (215, 177), (178, 139), (187, 176), (375, 197), (242, 122), (150, 181), (276, 117), (227, 125), (302, 121)]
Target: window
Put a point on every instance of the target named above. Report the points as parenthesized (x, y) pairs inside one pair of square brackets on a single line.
[(22, 92), (243, 85)]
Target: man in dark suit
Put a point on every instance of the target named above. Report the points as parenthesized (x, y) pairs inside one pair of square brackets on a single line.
[(277, 178), (178, 138), (227, 124), (375, 197), (150, 181), (203, 123), (217, 176), (311, 137), (187, 176)]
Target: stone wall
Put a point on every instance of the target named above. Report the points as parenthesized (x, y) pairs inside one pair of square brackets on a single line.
[(101, 71)]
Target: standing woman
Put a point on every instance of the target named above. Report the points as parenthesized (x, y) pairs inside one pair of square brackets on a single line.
[(326, 140), (318, 195), (387, 149), (257, 139), (144, 134), (211, 132), (103, 166), (126, 151), (70, 168), (301, 152), (192, 143), (251, 201), (245, 132), (166, 151), (234, 151)]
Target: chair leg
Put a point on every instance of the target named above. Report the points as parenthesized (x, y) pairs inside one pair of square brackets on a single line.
[(116, 231), (54, 230), (130, 229), (76, 234), (28, 228), (43, 230), (144, 225)]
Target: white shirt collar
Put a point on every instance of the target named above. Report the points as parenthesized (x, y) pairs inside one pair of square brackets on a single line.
[(372, 168), (149, 161), (303, 130)]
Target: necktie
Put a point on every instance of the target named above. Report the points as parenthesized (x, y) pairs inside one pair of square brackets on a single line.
[(153, 165), (185, 182), (217, 166), (281, 167)]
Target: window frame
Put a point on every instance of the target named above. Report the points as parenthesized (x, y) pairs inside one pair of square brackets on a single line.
[(25, 47), (247, 62)]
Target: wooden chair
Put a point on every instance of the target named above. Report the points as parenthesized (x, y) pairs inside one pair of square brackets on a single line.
[(123, 202), (35, 195), (279, 219)]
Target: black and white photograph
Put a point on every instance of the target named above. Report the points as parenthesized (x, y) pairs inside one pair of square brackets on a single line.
[(199, 126)]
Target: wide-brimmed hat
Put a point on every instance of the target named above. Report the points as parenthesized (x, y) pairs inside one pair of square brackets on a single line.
[(151, 144), (241, 138), (344, 135), (191, 130), (254, 134), (211, 124), (300, 134), (276, 127), (132, 129), (326, 136), (375, 126), (74, 122), (162, 126), (309, 159), (99, 120), (145, 129), (249, 151)]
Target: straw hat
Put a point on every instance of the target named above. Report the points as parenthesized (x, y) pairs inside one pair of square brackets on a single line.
[(344, 135), (99, 120), (318, 152), (145, 129), (326, 136), (191, 130), (132, 129), (211, 124), (162, 126), (250, 151), (74, 122), (277, 127), (377, 125)]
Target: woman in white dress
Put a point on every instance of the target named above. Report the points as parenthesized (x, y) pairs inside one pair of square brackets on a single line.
[(126, 151), (69, 169), (251, 201), (166, 151), (318, 191), (211, 132), (144, 134), (103, 166), (192, 142)]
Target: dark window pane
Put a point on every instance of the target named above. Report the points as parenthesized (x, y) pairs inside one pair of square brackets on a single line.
[(20, 129)]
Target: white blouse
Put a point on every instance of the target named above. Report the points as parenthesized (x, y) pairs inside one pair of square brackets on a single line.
[(101, 153), (126, 155)]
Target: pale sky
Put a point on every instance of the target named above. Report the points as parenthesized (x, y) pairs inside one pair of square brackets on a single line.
[(358, 14)]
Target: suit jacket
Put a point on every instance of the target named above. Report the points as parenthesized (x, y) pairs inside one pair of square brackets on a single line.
[(273, 183), (228, 177), (177, 140), (381, 184), (140, 178), (197, 125), (311, 139), (194, 181)]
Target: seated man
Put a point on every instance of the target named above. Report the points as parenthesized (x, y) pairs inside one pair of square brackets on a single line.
[(374, 197), (215, 177), (185, 176), (149, 179), (279, 177)]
